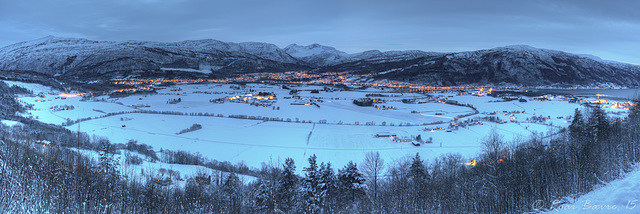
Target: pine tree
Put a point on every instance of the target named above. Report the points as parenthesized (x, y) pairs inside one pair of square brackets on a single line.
[(287, 186), (418, 171), (109, 183), (351, 184), (418, 176), (327, 187), (600, 128), (310, 194), (576, 128), (266, 189), (232, 194), (264, 198), (599, 124), (577, 151)]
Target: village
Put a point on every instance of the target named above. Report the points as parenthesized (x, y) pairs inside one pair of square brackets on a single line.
[(256, 121)]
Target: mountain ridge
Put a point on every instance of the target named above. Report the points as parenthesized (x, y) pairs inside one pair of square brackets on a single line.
[(515, 64)]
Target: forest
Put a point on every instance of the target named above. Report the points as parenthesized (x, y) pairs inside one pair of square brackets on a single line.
[(508, 177)]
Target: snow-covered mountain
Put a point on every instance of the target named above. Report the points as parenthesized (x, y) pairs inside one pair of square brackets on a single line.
[(86, 58), (520, 65)]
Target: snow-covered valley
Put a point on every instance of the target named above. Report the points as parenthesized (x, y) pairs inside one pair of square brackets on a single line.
[(333, 128)]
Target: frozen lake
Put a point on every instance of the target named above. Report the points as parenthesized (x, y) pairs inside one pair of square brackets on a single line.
[(616, 93)]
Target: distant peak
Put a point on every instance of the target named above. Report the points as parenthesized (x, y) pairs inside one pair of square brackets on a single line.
[(316, 45), (372, 52), (525, 48), (293, 45), (589, 56), (51, 38), (519, 47), (311, 46), (48, 38)]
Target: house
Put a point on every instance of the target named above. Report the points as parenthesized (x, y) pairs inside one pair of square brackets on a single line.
[(363, 102), (44, 143), (201, 180), (509, 98), (299, 102), (218, 101), (409, 101), (139, 105), (162, 182), (385, 134), (402, 139), (174, 101), (451, 102)]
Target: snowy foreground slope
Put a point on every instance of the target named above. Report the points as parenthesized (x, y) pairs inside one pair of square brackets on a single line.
[(618, 196)]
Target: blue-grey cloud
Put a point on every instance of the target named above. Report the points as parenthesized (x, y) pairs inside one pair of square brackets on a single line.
[(602, 28)]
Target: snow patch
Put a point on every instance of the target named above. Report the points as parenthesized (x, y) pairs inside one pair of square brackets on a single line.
[(10, 122)]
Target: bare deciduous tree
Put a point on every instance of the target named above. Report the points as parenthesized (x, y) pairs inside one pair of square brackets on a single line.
[(493, 144), (373, 167)]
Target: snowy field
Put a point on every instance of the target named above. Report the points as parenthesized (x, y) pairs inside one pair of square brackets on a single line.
[(325, 123), (253, 141)]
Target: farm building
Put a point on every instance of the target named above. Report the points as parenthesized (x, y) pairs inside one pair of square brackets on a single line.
[(385, 134), (402, 139)]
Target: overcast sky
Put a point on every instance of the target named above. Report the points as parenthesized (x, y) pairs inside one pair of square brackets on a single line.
[(608, 29)]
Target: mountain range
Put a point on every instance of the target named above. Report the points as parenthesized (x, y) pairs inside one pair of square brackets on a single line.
[(518, 65)]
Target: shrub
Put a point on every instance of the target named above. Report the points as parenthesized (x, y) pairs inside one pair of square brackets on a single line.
[(132, 159), (193, 127)]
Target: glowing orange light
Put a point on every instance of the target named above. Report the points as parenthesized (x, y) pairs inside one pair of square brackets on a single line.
[(471, 163), (71, 95)]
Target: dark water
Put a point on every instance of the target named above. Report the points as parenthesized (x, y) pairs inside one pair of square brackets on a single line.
[(609, 93)]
